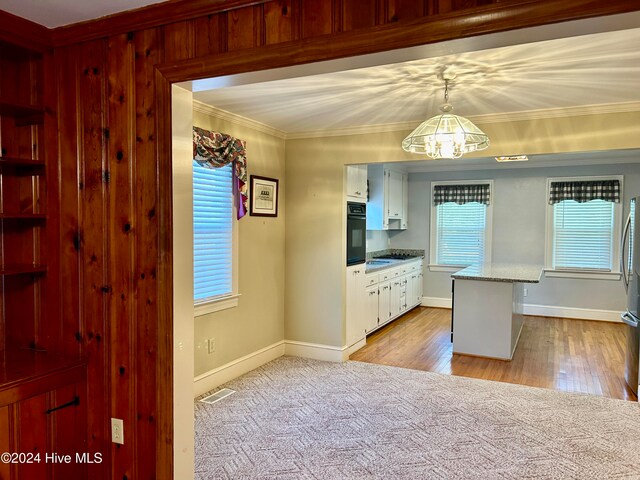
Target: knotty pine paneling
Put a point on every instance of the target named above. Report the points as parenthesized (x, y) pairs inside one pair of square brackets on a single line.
[(316, 18), (122, 230), (92, 242), (145, 286), (278, 21), (210, 34), (358, 14), (244, 28), (179, 41), (401, 10), (63, 172)]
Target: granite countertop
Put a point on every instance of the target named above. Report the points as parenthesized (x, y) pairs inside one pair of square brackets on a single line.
[(388, 263), (500, 272)]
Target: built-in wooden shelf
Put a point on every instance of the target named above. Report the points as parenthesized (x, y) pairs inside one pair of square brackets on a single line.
[(22, 269), (23, 114), (27, 372), (22, 216), (26, 165)]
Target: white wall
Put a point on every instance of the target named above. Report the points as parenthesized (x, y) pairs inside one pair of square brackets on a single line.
[(258, 320), (519, 230), (377, 240), (182, 144)]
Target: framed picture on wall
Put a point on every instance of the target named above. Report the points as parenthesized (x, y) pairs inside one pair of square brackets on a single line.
[(263, 197)]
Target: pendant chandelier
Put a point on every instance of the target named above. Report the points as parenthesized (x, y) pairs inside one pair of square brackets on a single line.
[(446, 135)]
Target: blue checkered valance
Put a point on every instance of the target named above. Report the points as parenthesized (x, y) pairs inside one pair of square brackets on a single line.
[(585, 191), (461, 194)]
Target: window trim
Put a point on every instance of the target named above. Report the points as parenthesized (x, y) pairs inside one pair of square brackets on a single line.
[(614, 273), (230, 300), (433, 248)]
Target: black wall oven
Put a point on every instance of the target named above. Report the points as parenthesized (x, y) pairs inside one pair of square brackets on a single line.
[(356, 233)]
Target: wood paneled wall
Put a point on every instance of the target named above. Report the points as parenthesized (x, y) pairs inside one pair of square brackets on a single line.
[(113, 236)]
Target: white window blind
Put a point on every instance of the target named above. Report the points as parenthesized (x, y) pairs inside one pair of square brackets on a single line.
[(583, 235), (461, 233), (212, 231)]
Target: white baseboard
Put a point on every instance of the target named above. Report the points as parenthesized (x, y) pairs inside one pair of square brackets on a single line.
[(544, 310), (316, 351), (572, 312), (216, 377), (436, 302)]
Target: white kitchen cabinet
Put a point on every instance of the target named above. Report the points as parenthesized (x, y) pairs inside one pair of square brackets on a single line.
[(414, 289), (384, 296), (404, 221), (388, 198), (395, 295), (357, 183), (355, 311), (394, 194), (371, 308)]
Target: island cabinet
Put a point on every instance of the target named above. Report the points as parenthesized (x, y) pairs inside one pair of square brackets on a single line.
[(387, 206), (42, 416), (488, 308)]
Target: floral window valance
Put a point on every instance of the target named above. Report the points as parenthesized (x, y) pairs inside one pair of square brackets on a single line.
[(461, 194), (215, 150), (585, 191)]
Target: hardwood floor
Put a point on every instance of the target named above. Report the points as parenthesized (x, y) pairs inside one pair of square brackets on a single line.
[(562, 354)]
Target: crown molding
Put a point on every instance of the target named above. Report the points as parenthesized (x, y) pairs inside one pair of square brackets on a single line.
[(623, 107), (237, 119)]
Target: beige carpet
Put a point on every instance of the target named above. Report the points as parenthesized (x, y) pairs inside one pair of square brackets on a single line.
[(301, 419)]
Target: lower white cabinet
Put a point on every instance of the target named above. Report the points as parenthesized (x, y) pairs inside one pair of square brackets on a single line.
[(375, 299), (355, 311), (384, 300), (371, 308), (394, 297)]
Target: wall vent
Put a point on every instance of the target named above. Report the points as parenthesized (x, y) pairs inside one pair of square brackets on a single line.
[(219, 395)]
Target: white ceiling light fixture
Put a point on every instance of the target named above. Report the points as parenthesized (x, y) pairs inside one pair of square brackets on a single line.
[(446, 135)]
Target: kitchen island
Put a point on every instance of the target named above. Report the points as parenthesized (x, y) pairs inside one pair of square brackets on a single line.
[(487, 308)]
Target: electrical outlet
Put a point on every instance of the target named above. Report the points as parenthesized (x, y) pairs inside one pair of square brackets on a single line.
[(526, 292), (117, 431), (211, 344)]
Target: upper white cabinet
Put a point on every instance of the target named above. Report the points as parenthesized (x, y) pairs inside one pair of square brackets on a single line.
[(357, 183), (388, 198)]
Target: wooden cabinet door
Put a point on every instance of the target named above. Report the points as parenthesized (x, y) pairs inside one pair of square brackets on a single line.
[(32, 429), (38, 427), (6, 441), (67, 431)]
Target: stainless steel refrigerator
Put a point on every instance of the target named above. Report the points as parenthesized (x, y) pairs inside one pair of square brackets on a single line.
[(630, 263)]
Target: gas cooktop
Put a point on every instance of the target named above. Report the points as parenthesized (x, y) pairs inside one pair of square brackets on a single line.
[(398, 256)]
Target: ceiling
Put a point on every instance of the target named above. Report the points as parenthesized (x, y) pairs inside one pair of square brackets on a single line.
[(56, 13), (595, 69)]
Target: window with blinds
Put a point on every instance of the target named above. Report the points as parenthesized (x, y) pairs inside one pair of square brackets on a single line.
[(212, 232), (583, 235), (461, 233)]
